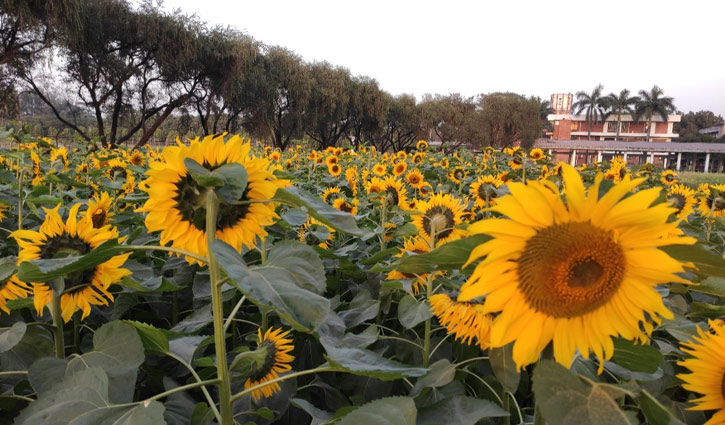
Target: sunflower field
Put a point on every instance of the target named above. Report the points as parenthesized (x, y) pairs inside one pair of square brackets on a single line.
[(218, 281)]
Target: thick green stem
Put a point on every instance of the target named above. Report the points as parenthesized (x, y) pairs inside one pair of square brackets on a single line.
[(546, 354), (225, 392), (58, 325), (429, 292), (383, 219), (167, 249), (20, 198), (506, 406), (263, 310)]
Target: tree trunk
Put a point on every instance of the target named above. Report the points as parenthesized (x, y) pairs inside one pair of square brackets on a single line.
[(619, 126)]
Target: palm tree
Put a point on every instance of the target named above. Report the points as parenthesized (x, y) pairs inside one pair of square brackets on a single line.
[(651, 104), (621, 104), (595, 106)]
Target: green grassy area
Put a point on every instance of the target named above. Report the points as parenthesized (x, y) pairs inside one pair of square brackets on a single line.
[(694, 179)]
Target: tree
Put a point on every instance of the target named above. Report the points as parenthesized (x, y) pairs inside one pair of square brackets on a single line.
[(692, 122), (508, 117), (330, 109), (451, 118), (403, 124), (620, 104), (595, 106), (652, 103), (544, 110), (369, 106)]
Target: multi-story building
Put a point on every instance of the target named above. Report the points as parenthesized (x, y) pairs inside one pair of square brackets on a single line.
[(568, 126), (716, 131)]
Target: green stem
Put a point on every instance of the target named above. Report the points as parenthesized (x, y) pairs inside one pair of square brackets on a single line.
[(546, 354), (506, 406), (58, 325), (167, 249), (263, 310), (20, 198), (196, 376), (230, 318), (14, 372), (286, 377), (383, 219), (170, 392), (225, 392), (76, 333), (428, 294)]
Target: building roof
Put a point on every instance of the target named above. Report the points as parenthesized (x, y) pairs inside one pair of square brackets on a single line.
[(613, 117), (610, 145)]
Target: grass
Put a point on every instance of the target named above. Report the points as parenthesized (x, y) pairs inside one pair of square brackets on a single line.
[(694, 179)]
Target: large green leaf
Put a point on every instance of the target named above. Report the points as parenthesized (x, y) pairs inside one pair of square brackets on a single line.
[(441, 373), (365, 362), (117, 349), (361, 308), (7, 267), (564, 399), (386, 411), (273, 285), (301, 262), (705, 260), (10, 337), (502, 363), (317, 208), (201, 175), (46, 270), (153, 339), (411, 311), (82, 399), (449, 256), (459, 410), (711, 285), (235, 182), (654, 411), (319, 416), (638, 358)]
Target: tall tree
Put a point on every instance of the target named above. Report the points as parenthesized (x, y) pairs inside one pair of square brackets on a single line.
[(451, 118), (652, 103), (403, 125), (620, 104), (506, 118), (330, 107), (595, 106), (369, 106)]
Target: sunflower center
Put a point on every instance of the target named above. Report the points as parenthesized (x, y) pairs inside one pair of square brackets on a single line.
[(270, 354), (570, 269), (413, 179), (486, 192), (346, 207), (391, 196), (458, 174), (190, 202), (670, 177), (438, 220), (117, 172), (63, 246), (716, 202), (98, 218), (677, 200)]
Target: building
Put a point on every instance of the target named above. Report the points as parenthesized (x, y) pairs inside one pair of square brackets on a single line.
[(716, 131), (568, 126)]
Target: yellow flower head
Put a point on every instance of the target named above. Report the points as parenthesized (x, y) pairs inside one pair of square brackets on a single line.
[(277, 360), (439, 216), (466, 321), (577, 273)]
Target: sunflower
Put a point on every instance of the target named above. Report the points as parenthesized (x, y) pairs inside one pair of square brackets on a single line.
[(464, 320), (415, 245), (483, 191), (334, 169), (421, 145), (343, 205), (330, 192), (12, 289), (537, 154), (176, 203), (331, 159), (399, 168), (99, 210), (516, 162), (137, 159), (418, 157), (401, 155), (312, 156), (440, 215), (56, 239), (577, 274), (351, 175), (312, 231), (395, 193), (374, 185), (3, 209), (444, 163), (277, 359), (414, 178), (380, 169), (60, 154), (713, 203), (682, 198), (457, 175), (275, 156), (425, 189)]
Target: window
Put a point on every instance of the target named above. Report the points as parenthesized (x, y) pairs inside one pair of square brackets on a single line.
[(575, 126), (612, 126), (625, 127)]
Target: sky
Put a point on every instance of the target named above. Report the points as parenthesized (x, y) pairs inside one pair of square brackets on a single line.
[(472, 47)]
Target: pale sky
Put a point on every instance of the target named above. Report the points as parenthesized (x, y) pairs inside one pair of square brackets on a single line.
[(471, 47)]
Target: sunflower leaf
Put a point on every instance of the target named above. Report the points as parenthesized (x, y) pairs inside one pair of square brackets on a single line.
[(411, 311), (235, 178), (7, 267), (449, 256), (201, 175), (10, 337), (385, 411), (460, 410), (298, 198), (504, 368), (46, 270)]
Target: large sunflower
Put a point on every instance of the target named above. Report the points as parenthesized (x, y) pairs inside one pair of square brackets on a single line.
[(577, 274), (99, 210), (440, 214), (56, 239), (483, 191), (707, 371), (276, 360), (176, 207), (12, 289), (464, 320), (395, 193)]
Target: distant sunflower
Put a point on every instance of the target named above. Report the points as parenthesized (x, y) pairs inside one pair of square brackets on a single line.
[(418, 157), (332, 159), (516, 162), (707, 371), (682, 198), (380, 169), (401, 155), (414, 178), (441, 213), (275, 156), (466, 321), (3, 208), (344, 205), (99, 210), (277, 360), (425, 189), (537, 154), (176, 203), (483, 191), (61, 155), (444, 163), (374, 185), (334, 169), (713, 203), (137, 159), (421, 145), (12, 289), (489, 151), (395, 193), (331, 192), (56, 239), (577, 274), (458, 174), (312, 233), (416, 245), (399, 168)]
